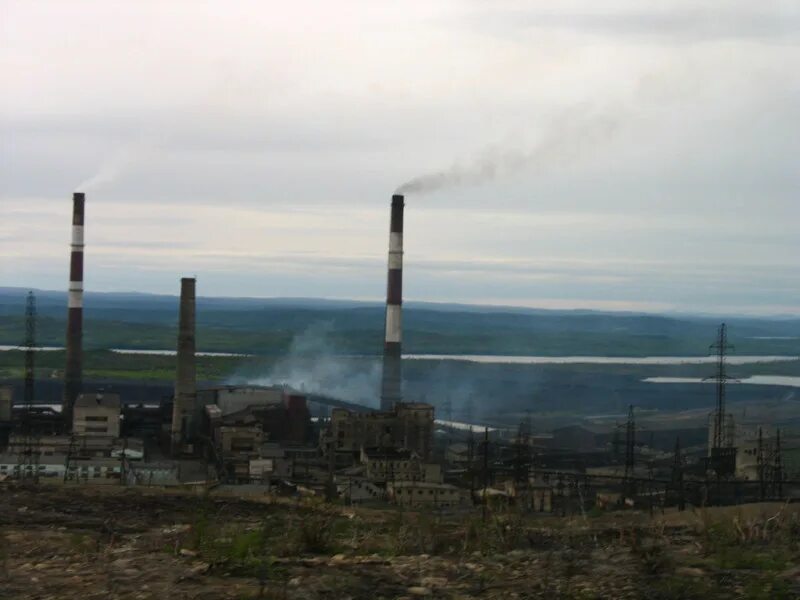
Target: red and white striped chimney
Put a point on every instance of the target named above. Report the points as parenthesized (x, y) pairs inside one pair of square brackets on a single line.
[(73, 372), (391, 384)]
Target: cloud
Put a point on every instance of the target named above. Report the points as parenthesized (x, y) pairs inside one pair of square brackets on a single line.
[(624, 153), (702, 20)]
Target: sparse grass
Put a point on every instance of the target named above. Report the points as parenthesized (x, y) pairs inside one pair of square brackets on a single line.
[(672, 587), (650, 549)]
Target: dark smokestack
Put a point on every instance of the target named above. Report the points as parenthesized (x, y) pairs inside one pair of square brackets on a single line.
[(185, 383), (73, 372), (391, 384)]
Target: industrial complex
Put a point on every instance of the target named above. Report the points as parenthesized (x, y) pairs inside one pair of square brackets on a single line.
[(279, 440)]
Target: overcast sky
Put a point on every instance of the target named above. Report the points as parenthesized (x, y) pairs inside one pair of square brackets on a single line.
[(579, 154)]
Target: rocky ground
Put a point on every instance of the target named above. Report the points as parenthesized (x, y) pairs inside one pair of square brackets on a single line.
[(86, 543)]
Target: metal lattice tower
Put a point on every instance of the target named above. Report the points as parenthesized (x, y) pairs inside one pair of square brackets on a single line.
[(28, 457), (630, 443), (777, 473), (721, 346), (522, 452)]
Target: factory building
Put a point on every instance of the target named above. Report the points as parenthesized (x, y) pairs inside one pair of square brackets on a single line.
[(96, 415), (98, 458), (408, 426), (281, 413), (389, 464), (426, 495), (251, 430)]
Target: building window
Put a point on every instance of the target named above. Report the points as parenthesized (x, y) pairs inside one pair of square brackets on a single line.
[(96, 418)]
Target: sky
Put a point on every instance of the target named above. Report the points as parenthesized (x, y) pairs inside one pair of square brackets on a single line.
[(613, 155)]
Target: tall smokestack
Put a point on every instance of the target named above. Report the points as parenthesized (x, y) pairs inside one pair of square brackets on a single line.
[(185, 383), (391, 384), (73, 372)]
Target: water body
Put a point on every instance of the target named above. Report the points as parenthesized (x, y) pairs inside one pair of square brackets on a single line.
[(599, 360), (505, 360), (36, 348), (172, 352), (785, 380)]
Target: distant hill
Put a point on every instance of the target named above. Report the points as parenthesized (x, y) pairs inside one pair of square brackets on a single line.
[(272, 325)]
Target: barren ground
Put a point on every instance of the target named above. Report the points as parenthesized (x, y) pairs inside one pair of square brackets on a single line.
[(121, 543)]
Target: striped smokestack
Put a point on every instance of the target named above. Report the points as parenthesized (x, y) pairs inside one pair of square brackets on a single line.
[(73, 372), (391, 384), (185, 382)]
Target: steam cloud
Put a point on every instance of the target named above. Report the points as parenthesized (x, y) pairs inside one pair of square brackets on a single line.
[(312, 366), (566, 137)]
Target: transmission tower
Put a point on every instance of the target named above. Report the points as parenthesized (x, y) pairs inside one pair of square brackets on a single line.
[(522, 453), (28, 457), (630, 460), (723, 453), (721, 439), (777, 467)]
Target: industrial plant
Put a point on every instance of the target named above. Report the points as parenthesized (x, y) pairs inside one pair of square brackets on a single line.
[(277, 440)]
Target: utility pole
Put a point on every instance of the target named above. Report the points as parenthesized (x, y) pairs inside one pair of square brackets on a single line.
[(630, 457), (616, 442), (677, 475), (521, 460), (760, 465), (471, 463), (485, 470), (330, 488)]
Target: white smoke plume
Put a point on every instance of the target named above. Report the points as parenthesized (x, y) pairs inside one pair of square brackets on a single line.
[(121, 161), (311, 365), (574, 133)]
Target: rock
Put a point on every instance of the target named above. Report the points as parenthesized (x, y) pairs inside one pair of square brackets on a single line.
[(690, 571), (791, 573), (121, 563), (294, 582), (187, 552), (434, 582), (418, 591), (200, 567)]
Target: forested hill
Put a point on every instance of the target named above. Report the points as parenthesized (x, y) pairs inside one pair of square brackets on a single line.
[(271, 326)]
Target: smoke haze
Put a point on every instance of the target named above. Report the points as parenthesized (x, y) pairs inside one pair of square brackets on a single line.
[(565, 138), (312, 366)]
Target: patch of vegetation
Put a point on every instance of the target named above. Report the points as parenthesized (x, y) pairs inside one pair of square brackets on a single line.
[(673, 587)]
